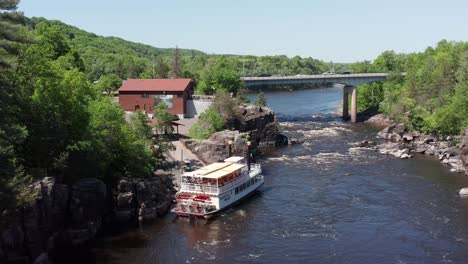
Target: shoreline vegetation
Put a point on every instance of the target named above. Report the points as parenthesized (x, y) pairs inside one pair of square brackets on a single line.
[(72, 162)]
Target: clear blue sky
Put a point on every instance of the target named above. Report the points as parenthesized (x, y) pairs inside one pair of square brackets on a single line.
[(330, 30)]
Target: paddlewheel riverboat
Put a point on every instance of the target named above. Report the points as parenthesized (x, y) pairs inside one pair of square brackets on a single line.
[(210, 189)]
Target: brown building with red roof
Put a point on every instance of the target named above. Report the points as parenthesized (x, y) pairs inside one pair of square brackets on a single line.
[(145, 94)]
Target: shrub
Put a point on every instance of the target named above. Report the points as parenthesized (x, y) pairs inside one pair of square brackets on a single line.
[(210, 122)]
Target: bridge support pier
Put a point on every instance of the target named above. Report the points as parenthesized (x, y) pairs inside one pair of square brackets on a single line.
[(353, 91), (345, 105)]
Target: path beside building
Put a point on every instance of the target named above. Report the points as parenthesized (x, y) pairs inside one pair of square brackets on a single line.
[(182, 153)]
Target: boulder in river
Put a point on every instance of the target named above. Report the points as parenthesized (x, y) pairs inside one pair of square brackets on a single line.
[(464, 150), (463, 192), (364, 144), (380, 120)]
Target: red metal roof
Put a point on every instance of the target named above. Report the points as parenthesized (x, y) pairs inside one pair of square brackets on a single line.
[(157, 85)]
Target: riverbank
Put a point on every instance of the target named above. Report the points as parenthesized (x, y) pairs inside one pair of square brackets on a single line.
[(403, 143)]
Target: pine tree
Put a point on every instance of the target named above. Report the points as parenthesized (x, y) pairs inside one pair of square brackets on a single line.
[(10, 26), (12, 133), (177, 64)]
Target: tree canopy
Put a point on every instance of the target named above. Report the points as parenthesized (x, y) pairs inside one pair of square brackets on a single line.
[(433, 97), (53, 120)]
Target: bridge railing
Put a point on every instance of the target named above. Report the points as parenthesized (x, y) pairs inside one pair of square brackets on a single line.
[(317, 76)]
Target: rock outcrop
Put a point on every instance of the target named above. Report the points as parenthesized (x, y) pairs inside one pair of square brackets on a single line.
[(144, 199), (63, 216), (261, 125), (380, 120), (401, 143), (255, 124), (216, 148), (464, 149)]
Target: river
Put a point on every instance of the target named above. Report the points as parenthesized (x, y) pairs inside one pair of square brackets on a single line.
[(323, 202)]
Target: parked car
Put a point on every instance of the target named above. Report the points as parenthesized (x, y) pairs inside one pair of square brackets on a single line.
[(328, 73)]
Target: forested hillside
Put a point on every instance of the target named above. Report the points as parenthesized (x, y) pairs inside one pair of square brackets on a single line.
[(112, 59)]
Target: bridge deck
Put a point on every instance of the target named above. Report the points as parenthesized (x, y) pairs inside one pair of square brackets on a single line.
[(347, 79)]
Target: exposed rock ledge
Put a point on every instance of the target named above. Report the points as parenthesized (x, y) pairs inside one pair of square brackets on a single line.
[(380, 120), (403, 143)]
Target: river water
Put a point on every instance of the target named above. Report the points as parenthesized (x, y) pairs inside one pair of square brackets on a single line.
[(323, 202)]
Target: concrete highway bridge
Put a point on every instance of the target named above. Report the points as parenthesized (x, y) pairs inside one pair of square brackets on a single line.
[(350, 81)]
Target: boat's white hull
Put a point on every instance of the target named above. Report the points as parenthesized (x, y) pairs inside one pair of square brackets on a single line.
[(233, 201)]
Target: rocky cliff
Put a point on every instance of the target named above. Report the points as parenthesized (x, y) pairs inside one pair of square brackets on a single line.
[(63, 217), (255, 124)]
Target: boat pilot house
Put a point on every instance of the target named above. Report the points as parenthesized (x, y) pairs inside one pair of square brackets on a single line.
[(145, 94)]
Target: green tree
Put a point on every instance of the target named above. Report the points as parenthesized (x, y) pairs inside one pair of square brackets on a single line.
[(113, 147), (162, 69), (227, 107), (163, 119), (220, 74), (12, 130), (59, 111), (139, 122), (108, 83), (176, 71), (261, 100), (209, 122), (52, 39)]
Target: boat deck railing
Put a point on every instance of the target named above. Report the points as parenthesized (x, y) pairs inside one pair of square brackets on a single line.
[(229, 185), (192, 187), (255, 166), (211, 189)]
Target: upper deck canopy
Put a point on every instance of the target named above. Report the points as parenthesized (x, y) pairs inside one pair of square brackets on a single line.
[(225, 171), (211, 168), (217, 170), (234, 159)]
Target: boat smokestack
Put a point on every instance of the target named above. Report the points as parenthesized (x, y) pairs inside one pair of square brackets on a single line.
[(230, 148), (248, 155)]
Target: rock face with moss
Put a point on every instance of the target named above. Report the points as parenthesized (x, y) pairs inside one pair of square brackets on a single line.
[(255, 124)]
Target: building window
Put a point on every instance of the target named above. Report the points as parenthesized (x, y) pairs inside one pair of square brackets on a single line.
[(145, 95), (166, 98)]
